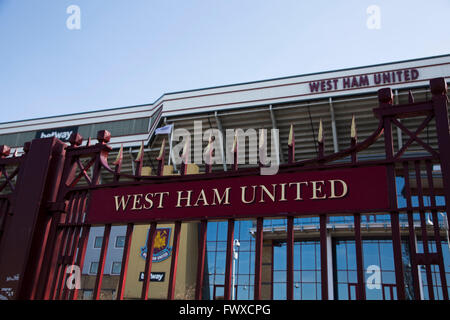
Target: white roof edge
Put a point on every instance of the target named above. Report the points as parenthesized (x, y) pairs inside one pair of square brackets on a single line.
[(237, 95)]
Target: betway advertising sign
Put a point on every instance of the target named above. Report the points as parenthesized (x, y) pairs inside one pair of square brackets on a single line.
[(310, 192), (62, 134)]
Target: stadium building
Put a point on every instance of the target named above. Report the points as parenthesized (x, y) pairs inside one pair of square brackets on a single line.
[(318, 108)]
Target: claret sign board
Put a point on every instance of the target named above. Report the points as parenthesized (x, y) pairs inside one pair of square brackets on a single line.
[(308, 192)]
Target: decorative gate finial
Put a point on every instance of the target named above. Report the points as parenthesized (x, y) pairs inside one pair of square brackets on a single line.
[(4, 151), (320, 139), (139, 160), (291, 145), (160, 158)]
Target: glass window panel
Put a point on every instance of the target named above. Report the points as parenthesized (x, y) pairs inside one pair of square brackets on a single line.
[(87, 294), (308, 256), (280, 253), (388, 277), (279, 276), (211, 246), (374, 293), (221, 246), (370, 253), (244, 262), (387, 256), (120, 241), (352, 277), (297, 276), (98, 242), (93, 268), (343, 291), (219, 279), (342, 276), (279, 291), (222, 229), (211, 231), (351, 255), (308, 291), (116, 267), (308, 276)]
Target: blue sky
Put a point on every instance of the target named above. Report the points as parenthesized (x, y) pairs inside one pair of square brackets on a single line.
[(131, 52)]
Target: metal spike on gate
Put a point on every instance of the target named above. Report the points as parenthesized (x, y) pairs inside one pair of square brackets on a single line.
[(140, 154), (291, 145), (4, 151), (262, 147), (353, 138), (320, 134), (185, 156), (234, 150), (139, 160), (103, 137), (208, 155), (353, 128), (118, 163), (75, 139), (119, 157), (320, 139), (410, 97), (160, 158)]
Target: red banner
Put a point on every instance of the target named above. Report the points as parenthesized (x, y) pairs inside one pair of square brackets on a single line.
[(307, 192)]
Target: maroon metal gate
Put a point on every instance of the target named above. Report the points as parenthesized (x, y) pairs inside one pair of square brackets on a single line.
[(44, 210)]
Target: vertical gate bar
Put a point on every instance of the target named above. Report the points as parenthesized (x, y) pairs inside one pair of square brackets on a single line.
[(3, 213), (101, 263), (69, 243), (80, 256), (62, 232), (61, 252), (323, 256), (148, 260), (74, 238), (258, 258), (56, 234), (396, 244), (412, 233), (290, 259), (360, 288), (385, 99), (437, 234), (125, 257), (78, 237), (201, 259), (174, 262), (229, 259), (423, 227), (438, 89)]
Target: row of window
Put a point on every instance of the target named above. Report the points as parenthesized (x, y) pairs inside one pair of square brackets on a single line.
[(116, 128), (115, 267), (119, 243)]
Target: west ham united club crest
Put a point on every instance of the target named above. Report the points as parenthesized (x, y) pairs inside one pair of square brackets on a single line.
[(161, 249)]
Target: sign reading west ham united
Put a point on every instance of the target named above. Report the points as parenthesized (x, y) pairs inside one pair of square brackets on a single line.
[(308, 192), (365, 80)]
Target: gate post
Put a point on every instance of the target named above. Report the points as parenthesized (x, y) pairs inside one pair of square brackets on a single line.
[(438, 88), (385, 98), (25, 236)]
